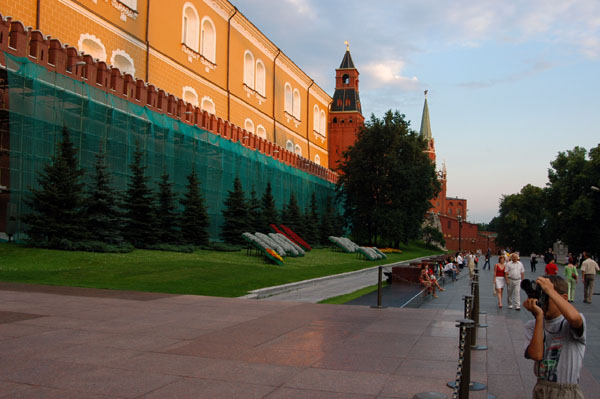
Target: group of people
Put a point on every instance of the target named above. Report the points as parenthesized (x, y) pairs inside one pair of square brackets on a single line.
[(429, 279)]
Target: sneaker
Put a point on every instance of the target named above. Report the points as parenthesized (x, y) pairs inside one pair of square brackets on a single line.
[(518, 308), (510, 306)]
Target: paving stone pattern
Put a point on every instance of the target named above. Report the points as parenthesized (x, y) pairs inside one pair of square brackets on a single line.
[(86, 344)]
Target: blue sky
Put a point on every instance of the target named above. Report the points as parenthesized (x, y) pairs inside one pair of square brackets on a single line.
[(511, 83)]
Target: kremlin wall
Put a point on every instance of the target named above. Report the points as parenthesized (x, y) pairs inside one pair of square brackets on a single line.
[(213, 93)]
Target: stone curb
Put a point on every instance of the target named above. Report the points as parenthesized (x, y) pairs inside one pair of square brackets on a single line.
[(279, 289)]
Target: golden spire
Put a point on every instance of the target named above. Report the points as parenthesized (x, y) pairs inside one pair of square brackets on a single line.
[(347, 45)]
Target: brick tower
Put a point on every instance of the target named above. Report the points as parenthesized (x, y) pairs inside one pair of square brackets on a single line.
[(345, 116)]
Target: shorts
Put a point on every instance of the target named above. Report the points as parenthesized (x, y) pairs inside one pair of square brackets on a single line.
[(553, 390)]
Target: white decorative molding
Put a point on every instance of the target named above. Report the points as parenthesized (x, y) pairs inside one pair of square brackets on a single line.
[(189, 89), (280, 126), (124, 10), (207, 99), (184, 70), (87, 36), (215, 7), (252, 39), (123, 54), (94, 18), (194, 55)]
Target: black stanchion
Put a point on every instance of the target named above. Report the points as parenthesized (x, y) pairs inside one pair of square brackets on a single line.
[(379, 288)]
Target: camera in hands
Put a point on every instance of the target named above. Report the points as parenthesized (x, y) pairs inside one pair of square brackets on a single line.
[(534, 290)]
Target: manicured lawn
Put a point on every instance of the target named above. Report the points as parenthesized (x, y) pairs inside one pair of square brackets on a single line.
[(212, 273), (341, 299)]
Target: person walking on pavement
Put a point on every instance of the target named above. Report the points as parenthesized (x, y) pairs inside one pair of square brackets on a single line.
[(551, 269), (589, 268), (471, 264), (488, 255), (571, 277), (548, 256), (515, 273), (500, 279), (533, 261)]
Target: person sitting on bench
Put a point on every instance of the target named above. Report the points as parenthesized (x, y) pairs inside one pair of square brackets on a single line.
[(426, 282)]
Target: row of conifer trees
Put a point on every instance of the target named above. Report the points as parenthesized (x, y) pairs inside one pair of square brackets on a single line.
[(66, 213)]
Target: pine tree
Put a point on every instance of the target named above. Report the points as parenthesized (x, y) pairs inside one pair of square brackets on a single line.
[(326, 225), (167, 220), (254, 214), (269, 212), (236, 215), (194, 219), (57, 206), (102, 213), (311, 222), (138, 205), (293, 217)]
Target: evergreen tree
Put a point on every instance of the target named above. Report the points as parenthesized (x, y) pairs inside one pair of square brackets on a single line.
[(138, 205), (293, 217), (166, 216), (254, 214), (269, 213), (102, 213), (311, 222), (236, 215), (326, 226), (194, 219), (57, 207)]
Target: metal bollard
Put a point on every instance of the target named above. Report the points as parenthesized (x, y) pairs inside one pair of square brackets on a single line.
[(379, 288), (462, 385)]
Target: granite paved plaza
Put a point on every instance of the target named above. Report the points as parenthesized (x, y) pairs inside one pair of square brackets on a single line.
[(84, 343)]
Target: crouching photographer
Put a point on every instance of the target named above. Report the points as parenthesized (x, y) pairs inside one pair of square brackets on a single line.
[(556, 338)]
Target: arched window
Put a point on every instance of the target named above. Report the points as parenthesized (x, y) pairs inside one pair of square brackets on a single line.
[(345, 79), (130, 3), (288, 99), (208, 105), (289, 146), (249, 69), (261, 132), (90, 44), (208, 40), (260, 78), (190, 26), (449, 211), (190, 95), (298, 150), (322, 125), (249, 125), (316, 117), (317, 159), (297, 104), (335, 120), (120, 59)]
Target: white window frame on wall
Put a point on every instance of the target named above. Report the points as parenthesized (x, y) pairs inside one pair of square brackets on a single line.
[(190, 34), (130, 3), (249, 125), (100, 53), (288, 99), (261, 132), (122, 53), (297, 104), (186, 92), (261, 78), (211, 109), (289, 145), (249, 69), (316, 118), (322, 123), (208, 45), (298, 150), (317, 159)]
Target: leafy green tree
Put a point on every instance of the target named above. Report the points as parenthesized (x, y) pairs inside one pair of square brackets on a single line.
[(254, 213), (522, 220), (293, 216), (138, 205), (573, 204), (104, 220), (387, 181), (268, 210), (194, 219), (167, 219), (57, 206), (236, 215), (432, 235)]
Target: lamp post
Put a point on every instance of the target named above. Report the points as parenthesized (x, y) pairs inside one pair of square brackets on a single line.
[(459, 233)]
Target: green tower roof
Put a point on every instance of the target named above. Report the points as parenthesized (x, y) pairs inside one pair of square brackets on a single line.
[(425, 125)]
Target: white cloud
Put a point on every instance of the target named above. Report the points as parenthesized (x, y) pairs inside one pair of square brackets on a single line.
[(303, 7), (389, 73)]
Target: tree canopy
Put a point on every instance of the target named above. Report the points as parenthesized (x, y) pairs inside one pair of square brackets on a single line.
[(387, 181)]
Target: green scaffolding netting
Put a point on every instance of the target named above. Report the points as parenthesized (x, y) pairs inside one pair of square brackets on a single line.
[(42, 102)]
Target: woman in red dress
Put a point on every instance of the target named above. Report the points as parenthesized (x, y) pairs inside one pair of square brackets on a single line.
[(499, 279)]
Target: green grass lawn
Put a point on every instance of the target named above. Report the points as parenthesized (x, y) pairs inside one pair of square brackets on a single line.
[(229, 274)]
